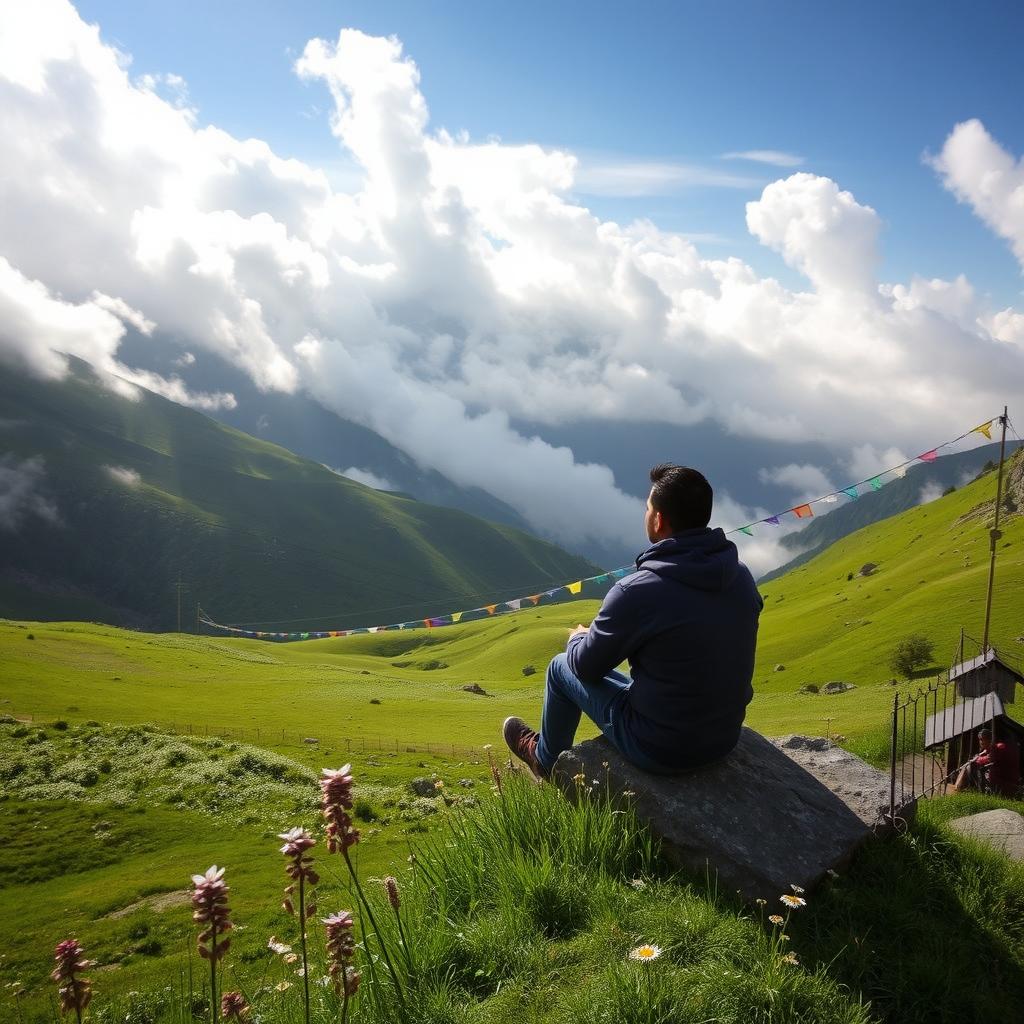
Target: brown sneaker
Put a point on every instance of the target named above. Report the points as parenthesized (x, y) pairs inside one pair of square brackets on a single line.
[(522, 741)]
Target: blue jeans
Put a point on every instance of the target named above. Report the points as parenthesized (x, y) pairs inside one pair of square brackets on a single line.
[(566, 698)]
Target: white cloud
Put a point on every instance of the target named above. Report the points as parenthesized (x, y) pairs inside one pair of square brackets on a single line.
[(124, 476), (820, 230), (364, 476), (652, 178), (38, 332), (929, 492), (21, 492), (441, 289), (807, 481), (866, 461), (775, 157), (979, 172)]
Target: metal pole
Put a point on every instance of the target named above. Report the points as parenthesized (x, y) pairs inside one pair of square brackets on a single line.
[(892, 763), (994, 533)]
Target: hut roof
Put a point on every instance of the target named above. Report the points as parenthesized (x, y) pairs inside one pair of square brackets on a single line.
[(990, 657), (960, 718)]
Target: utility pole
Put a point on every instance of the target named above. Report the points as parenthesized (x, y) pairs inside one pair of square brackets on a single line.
[(178, 586), (995, 534)]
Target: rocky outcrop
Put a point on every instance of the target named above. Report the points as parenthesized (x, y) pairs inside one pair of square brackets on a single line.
[(1002, 829), (766, 817)]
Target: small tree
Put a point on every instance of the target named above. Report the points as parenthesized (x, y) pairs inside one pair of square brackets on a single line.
[(910, 654)]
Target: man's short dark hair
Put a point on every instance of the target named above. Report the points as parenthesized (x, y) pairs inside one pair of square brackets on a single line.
[(682, 496)]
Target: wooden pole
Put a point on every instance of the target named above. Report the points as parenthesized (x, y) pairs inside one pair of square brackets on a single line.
[(994, 533)]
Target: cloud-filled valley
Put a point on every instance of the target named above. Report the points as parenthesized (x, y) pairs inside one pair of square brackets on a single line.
[(462, 302)]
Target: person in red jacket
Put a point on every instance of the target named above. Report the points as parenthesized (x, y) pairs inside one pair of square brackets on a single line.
[(996, 767)]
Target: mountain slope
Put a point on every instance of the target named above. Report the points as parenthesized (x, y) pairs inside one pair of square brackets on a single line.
[(948, 471), (146, 489), (824, 621)]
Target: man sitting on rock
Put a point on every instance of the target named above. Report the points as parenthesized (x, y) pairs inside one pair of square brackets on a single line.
[(686, 621)]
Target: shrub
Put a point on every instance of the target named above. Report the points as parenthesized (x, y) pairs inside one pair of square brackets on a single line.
[(911, 653), (364, 810), (60, 725)]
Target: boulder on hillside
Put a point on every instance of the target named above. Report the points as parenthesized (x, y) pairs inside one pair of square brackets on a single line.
[(868, 568), (424, 785), (779, 668), (476, 688), (1002, 829), (837, 686), (762, 819)]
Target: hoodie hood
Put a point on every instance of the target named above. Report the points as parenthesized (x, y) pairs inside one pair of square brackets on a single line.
[(704, 559)]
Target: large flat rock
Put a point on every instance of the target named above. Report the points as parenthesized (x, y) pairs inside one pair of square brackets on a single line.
[(760, 819), (1002, 829)]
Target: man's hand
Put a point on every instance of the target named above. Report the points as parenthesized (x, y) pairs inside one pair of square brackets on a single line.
[(580, 630)]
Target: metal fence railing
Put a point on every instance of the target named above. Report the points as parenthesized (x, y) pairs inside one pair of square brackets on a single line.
[(933, 739)]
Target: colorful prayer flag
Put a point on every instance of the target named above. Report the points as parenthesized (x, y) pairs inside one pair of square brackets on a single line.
[(619, 573), (803, 511), (533, 598), (490, 608), (851, 492), (771, 520), (515, 604), (747, 530), (984, 428), (575, 588), (456, 616), (929, 456), (876, 482), (830, 499)]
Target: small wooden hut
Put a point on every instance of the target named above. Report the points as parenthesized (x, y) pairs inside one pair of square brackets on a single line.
[(987, 673), (956, 729)]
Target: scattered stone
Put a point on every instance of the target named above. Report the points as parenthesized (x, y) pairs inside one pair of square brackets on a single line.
[(837, 686), (528, 670), (779, 668), (423, 785), (762, 818), (466, 783), (310, 739), (158, 902), (808, 688), (376, 700), (1001, 829), (867, 568), (476, 688)]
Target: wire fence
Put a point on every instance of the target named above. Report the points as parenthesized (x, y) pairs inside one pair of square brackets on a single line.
[(262, 736)]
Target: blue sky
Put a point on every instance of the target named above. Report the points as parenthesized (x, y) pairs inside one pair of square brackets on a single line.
[(860, 91)]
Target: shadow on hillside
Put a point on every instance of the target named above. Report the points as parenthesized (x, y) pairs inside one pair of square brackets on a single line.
[(923, 931), (920, 677)]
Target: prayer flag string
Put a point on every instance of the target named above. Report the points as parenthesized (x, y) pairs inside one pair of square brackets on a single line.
[(802, 511)]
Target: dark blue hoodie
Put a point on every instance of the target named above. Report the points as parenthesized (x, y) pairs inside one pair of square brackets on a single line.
[(686, 621)]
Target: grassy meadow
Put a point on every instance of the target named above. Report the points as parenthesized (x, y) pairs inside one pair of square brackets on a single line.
[(107, 809)]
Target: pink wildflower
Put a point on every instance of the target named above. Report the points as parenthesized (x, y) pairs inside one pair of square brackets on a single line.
[(296, 842), (75, 992), (233, 1006), (341, 948), (210, 903), (391, 888), (336, 786)]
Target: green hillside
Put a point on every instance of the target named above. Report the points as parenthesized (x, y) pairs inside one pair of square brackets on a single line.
[(898, 495), (146, 490), (931, 574)]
